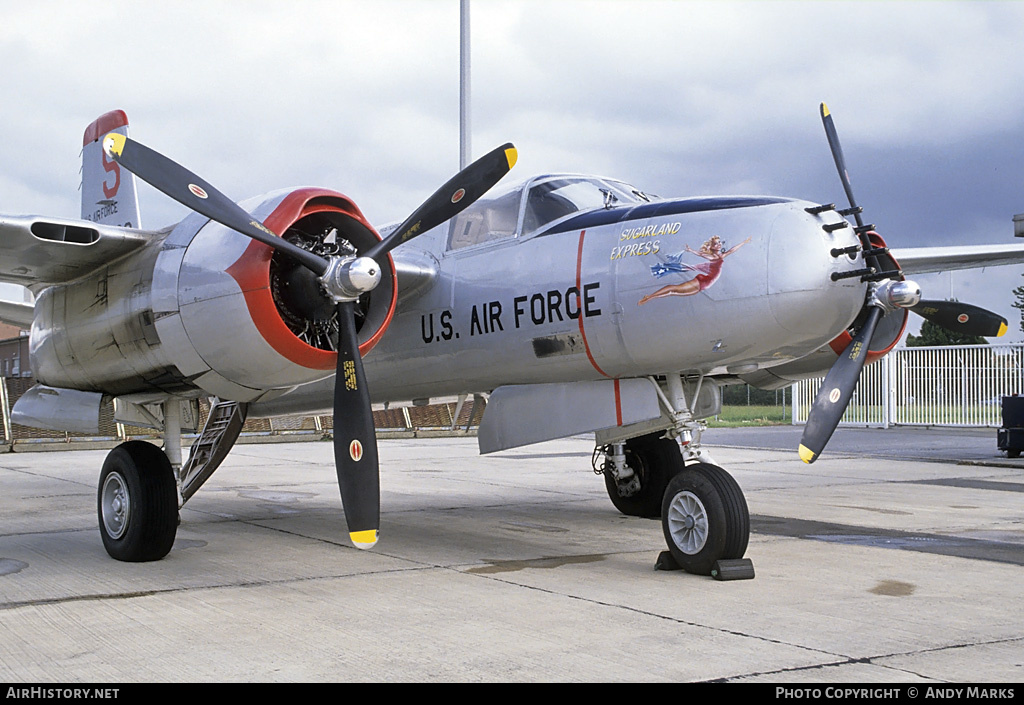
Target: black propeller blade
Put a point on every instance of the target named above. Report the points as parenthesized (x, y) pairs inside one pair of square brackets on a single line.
[(962, 318), (837, 389), (837, 155), (457, 194), (190, 190), (344, 279), (355, 438), (844, 177)]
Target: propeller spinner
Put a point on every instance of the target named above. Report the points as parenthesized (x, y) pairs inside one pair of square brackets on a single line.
[(344, 279)]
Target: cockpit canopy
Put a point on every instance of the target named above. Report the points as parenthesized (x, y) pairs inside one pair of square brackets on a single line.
[(523, 209)]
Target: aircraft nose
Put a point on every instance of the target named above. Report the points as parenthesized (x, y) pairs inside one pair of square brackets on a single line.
[(804, 298)]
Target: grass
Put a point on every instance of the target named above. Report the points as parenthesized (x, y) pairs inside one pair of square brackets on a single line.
[(743, 415), (922, 414)]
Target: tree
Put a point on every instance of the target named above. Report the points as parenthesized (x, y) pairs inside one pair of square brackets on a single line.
[(932, 334), (1019, 303)]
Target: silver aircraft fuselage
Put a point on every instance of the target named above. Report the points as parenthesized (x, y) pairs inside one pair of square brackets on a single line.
[(534, 285), (563, 302)]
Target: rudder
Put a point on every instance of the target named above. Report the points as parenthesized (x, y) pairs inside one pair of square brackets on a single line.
[(109, 193)]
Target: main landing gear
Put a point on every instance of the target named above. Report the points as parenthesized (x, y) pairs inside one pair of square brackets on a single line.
[(141, 488), (637, 472), (138, 503)]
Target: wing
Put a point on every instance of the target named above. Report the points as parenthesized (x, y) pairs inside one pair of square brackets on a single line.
[(37, 251), (922, 260)]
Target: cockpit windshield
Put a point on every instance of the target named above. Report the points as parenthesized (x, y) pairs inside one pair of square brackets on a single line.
[(493, 217), (530, 206)]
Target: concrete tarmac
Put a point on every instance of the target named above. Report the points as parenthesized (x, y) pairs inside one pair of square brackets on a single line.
[(515, 567)]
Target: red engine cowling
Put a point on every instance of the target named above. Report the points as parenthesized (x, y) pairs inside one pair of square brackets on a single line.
[(259, 321), (890, 329), (200, 309)]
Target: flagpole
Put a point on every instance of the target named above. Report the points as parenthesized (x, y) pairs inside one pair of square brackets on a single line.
[(465, 150)]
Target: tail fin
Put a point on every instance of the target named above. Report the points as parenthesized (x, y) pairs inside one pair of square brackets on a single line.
[(108, 192)]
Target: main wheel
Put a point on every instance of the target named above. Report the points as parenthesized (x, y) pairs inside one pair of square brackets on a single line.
[(737, 515), (137, 503), (655, 461), (704, 518)]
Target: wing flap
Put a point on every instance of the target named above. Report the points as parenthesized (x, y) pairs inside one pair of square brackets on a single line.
[(38, 251)]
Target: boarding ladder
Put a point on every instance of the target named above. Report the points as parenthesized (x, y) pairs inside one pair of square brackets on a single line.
[(222, 428)]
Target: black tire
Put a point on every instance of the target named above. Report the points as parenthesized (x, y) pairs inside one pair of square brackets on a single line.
[(655, 460), (693, 520), (137, 503), (1013, 453), (737, 515)]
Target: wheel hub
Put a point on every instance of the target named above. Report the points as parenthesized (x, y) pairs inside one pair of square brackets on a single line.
[(115, 505), (688, 523)]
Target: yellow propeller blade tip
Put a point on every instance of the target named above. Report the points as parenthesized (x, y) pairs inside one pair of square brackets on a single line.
[(806, 454), (512, 156), (824, 110), (113, 144), (364, 539), (1002, 330)]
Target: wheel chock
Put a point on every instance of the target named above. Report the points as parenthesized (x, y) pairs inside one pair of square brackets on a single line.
[(734, 569), (666, 562)]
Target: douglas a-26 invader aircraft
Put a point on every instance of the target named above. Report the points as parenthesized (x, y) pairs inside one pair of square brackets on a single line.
[(580, 304)]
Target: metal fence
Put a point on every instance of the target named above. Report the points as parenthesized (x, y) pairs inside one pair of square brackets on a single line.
[(442, 416), (934, 386)]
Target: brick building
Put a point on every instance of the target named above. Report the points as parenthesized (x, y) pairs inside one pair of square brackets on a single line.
[(14, 352)]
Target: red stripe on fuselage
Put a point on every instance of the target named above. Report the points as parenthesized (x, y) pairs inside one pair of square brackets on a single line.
[(618, 404), (579, 304)]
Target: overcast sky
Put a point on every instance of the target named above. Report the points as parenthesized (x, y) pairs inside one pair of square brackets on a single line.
[(679, 98)]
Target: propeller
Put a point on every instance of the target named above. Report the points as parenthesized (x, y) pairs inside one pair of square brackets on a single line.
[(343, 279), (844, 177), (962, 318), (884, 297), (834, 394)]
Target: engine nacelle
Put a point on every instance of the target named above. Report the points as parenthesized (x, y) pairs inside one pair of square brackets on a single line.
[(208, 311), (887, 334)]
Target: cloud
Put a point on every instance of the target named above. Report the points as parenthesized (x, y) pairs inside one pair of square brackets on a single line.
[(680, 98)]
